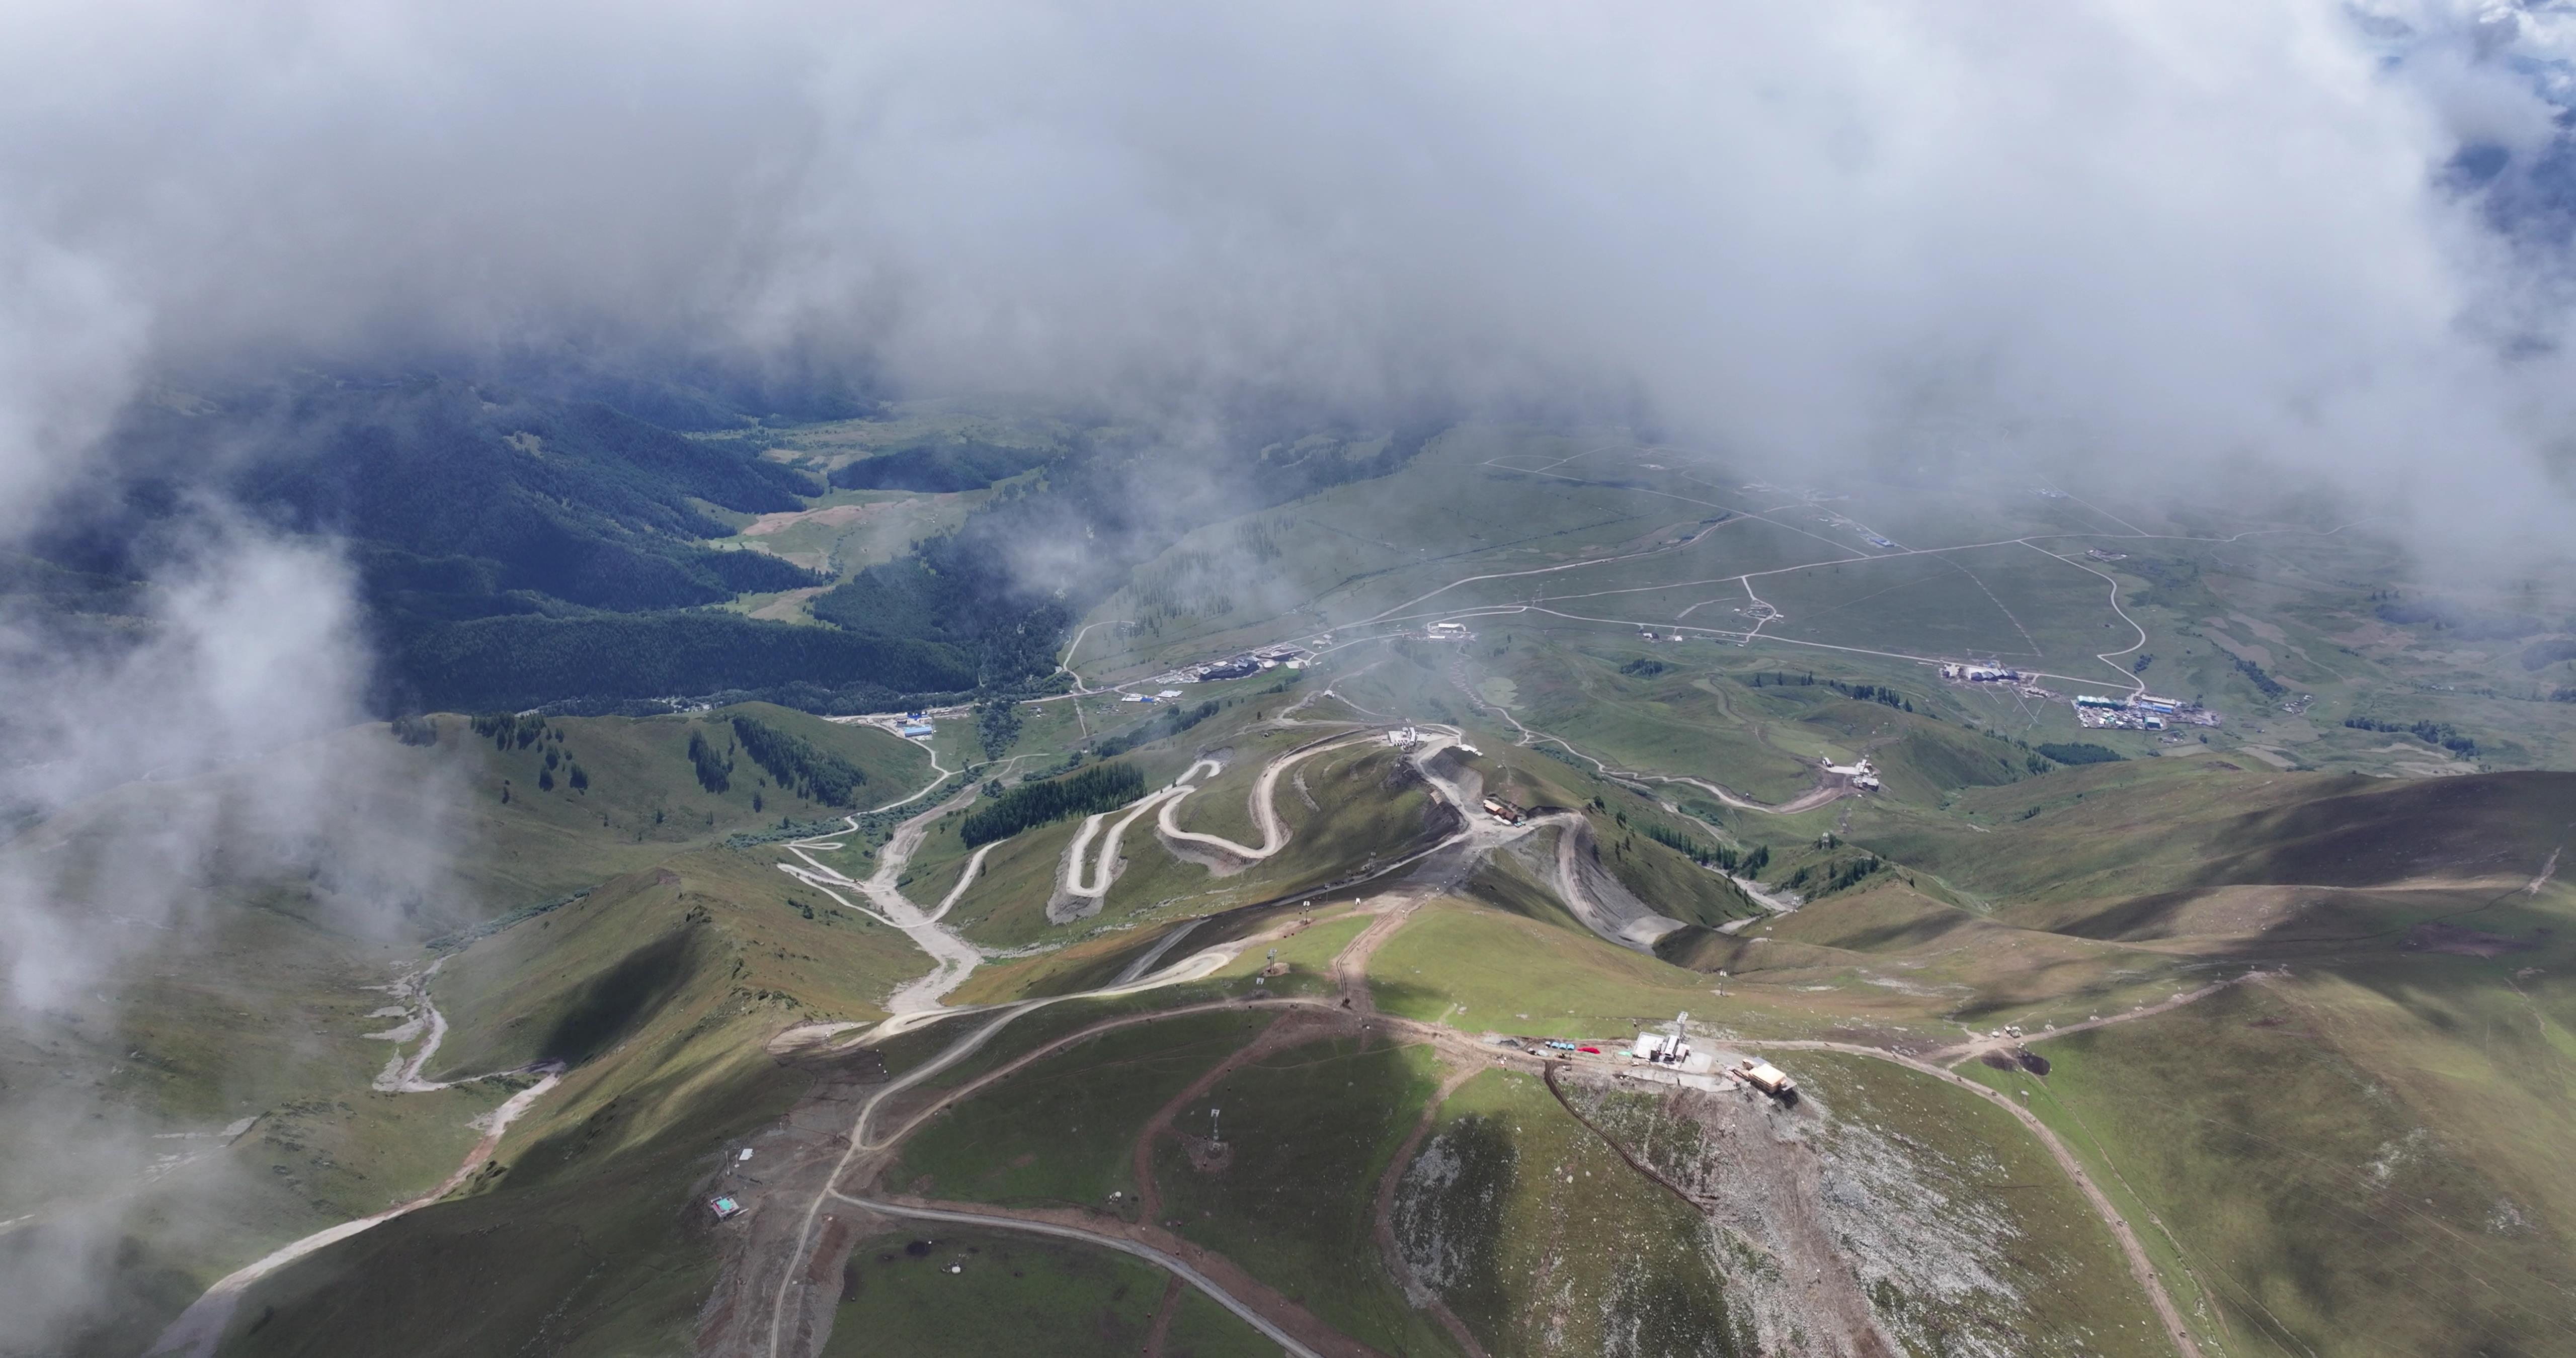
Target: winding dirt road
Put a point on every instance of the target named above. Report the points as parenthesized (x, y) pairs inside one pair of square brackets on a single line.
[(954, 958), (1265, 803), (201, 1327), (1171, 1263)]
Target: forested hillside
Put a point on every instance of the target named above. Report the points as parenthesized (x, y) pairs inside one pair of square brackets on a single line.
[(516, 549)]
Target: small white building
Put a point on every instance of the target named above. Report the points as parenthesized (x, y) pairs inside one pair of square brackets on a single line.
[(1663, 1049)]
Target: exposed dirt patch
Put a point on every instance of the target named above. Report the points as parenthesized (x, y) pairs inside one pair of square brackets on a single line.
[(1754, 1169), (1161, 1333), (1384, 1219), (829, 517), (1207, 1156), (786, 607)]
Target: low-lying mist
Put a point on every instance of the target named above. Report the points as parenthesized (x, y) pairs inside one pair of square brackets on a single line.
[(2315, 245)]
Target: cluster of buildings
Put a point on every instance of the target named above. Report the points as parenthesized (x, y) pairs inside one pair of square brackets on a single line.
[(1506, 812), (915, 726), (1165, 696), (1861, 774), (1235, 667), (1669, 1049), (1447, 631), (2139, 712), (2024, 684)]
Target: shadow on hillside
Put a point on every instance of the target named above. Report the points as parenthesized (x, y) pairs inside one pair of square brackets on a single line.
[(612, 1003)]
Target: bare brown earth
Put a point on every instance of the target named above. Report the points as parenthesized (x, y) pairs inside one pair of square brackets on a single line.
[(1161, 1333), (1764, 1194), (2140, 1267), (832, 516)]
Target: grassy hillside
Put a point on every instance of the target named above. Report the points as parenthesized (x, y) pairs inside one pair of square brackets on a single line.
[(1543, 1242), (1327, 1113), (2337, 1162)]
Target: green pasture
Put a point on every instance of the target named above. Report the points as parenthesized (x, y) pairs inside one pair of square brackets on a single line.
[(2338, 1163), (1544, 1242), (1063, 1132), (1310, 1131), (1012, 1293)]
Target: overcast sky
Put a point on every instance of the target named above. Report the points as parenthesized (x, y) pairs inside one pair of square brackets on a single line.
[(2204, 229)]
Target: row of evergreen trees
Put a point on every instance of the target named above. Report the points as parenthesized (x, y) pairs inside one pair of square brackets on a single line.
[(1710, 855), (813, 772), (2430, 732), (1098, 788), (715, 769), (1872, 693)]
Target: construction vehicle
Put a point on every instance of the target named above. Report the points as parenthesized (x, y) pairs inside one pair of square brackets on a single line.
[(1768, 1078)]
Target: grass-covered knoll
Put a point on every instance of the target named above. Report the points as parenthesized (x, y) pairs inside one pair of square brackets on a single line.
[(1349, 813), (1652, 854), (1678, 719), (1036, 1027), (665, 987), (1063, 1132), (1223, 803), (1306, 1133), (1306, 955), (1012, 1294), (1544, 1242), (2366, 1162), (259, 1009), (2146, 837), (1096, 959), (576, 980), (581, 1230), (514, 843), (1908, 968), (1480, 969)]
